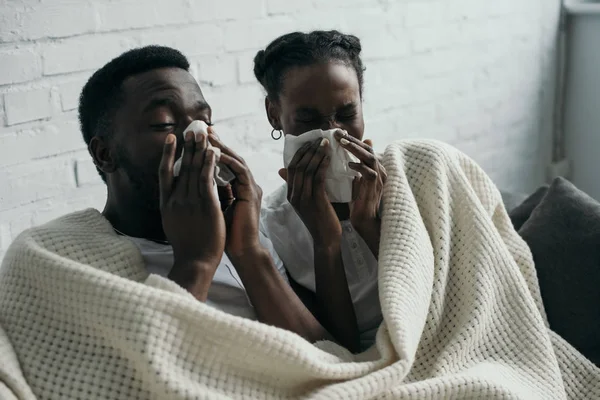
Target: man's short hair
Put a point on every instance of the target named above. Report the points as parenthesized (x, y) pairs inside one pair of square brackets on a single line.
[(101, 94)]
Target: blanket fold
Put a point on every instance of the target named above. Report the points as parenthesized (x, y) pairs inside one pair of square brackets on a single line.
[(463, 317)]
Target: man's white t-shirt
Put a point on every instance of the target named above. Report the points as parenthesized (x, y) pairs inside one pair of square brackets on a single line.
[(227, 292)]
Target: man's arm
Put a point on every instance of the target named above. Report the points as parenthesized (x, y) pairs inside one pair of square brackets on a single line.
[(274, 300)]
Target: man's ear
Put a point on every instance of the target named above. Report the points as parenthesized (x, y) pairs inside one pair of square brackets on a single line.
[(273, 114), (102, 155)]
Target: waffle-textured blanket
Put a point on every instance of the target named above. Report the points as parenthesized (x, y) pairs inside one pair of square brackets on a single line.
[(463, 318)]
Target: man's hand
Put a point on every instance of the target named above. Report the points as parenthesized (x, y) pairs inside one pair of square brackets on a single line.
[(243, 212), (191, 214)]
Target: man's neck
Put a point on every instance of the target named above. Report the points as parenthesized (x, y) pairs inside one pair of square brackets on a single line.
[(135, 222)]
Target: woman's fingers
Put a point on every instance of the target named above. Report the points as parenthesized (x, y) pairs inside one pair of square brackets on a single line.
[(312, 169), (319, 182), (300, 172), (365, 171)]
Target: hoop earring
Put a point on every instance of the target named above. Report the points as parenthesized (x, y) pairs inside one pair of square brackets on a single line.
[(273, 134)]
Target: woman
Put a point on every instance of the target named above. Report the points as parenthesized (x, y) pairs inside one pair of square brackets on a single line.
[(314, 81)]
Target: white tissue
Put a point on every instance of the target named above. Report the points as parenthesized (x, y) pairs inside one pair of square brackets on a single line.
[(223, 174), (339, 176)]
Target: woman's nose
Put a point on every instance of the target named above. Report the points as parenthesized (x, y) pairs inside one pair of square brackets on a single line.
[(330, 123), (188, 120)]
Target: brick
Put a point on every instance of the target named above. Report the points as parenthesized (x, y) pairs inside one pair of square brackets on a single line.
[(132, 14), (209, 10), (382, 130), (2, 113), (466, 10), (27, 106), (247, 35), (47, 21), (379, 40), (201, 39), (83, 53), (441, 62), (320, 20), (457, 109), (478, 126), (337, 4), (427, 39), (69, 94), (10, 19), (423, 13), (286, 7), (436, 131), (234, 102), (217, 70), (67, 202), (5, 238), (85, 171), (484, 31), (264, 166), (387, 98), (35, 180), (19, 66), (444, 86), (415, 117), (391, 72), (245, 67), (251, 132), (50, 139), (417, 65)]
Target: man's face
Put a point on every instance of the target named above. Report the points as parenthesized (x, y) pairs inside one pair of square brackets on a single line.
[(155, 103)]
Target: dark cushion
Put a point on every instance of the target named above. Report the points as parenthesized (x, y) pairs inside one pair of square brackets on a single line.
[(520, 214), (563, 232)]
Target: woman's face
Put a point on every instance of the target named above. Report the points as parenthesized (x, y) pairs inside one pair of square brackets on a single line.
[(320, 96)]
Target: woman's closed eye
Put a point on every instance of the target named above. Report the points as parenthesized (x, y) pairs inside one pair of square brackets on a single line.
[(347, 116), (163, 126), (308, 120)]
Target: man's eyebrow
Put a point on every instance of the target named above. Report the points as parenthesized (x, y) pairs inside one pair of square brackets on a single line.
[(158, 102), (200, 105)]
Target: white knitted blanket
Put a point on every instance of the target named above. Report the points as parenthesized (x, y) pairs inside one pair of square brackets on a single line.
[(463, 317)]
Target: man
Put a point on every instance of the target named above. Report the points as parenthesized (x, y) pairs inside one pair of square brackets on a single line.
[(132, 113)]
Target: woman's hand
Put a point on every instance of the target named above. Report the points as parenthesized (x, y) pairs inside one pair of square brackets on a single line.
[(367, 189), (305, 177)]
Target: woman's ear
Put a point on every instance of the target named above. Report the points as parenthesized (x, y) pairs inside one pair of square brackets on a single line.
[(273, 114), (102, 155)]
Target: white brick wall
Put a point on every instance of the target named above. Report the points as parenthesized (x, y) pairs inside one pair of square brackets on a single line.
[(477, 74)]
